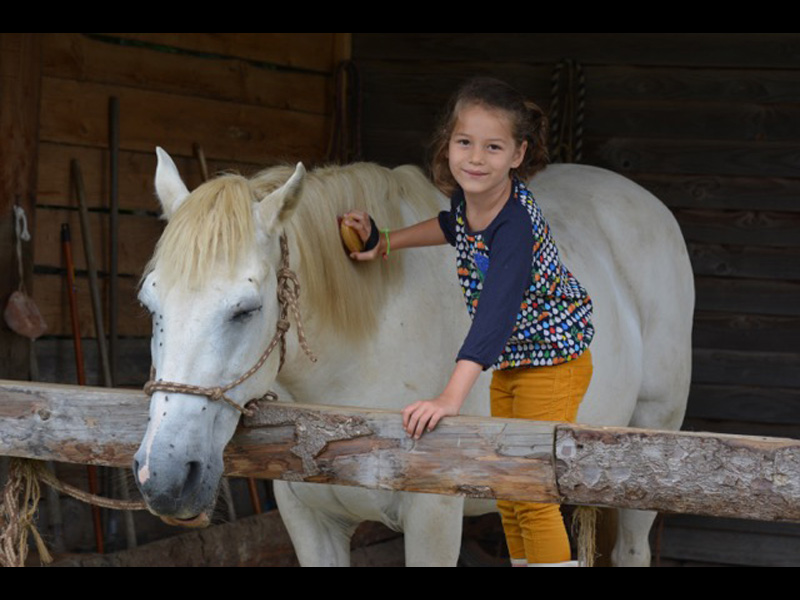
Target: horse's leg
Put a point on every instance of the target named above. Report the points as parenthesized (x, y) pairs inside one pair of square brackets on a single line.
[(633, 539), (432, 527), (320, 539), (661, 406)]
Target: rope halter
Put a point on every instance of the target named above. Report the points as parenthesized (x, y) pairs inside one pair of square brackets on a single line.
[(288, 299)]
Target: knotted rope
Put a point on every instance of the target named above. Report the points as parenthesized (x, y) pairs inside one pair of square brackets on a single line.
[(17, 518), (22, 235), (20, 506), (289, 301)]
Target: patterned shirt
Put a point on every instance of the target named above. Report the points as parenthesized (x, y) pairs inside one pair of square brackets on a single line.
[(527, 309)]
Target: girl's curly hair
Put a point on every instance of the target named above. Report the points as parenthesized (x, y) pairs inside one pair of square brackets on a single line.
[(529, 123)]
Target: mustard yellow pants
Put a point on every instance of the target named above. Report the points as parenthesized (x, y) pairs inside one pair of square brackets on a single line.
[(534, 532)]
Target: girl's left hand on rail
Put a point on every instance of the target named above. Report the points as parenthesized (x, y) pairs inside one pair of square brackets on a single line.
[(424, 416)]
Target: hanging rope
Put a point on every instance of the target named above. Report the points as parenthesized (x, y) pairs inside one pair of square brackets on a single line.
[(584, 530), (20, 505), (18, 518), (567, 112), (23, 235)]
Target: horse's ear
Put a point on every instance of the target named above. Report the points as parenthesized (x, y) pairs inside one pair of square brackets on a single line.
[(280, 204), (170, 188)]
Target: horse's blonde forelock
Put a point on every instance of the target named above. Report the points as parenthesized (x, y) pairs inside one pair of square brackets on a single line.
[(213, 226)]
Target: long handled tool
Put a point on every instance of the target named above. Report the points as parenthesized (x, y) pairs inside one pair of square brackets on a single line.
[(113, 294), (94, 487), (97, 310)]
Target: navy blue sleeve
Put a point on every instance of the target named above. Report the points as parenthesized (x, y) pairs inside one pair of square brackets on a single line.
[(447, 223), (447, 220), (507, 279)]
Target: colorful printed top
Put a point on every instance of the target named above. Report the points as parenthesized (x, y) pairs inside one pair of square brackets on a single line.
[(528, 310)]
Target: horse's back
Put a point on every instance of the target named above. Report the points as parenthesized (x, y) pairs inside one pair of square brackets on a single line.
[(625, 246)]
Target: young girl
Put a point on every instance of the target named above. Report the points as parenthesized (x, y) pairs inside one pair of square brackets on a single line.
[(531, 318)]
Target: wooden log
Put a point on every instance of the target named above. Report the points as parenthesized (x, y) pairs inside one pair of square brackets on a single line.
[(705, 474), (728, 476), (476, 458)]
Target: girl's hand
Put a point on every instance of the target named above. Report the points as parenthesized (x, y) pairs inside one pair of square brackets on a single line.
[(424, 416), (361, 223)]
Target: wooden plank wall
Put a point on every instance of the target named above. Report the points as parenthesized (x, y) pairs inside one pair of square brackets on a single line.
[(20, 77), (710, 123), (249, 99)]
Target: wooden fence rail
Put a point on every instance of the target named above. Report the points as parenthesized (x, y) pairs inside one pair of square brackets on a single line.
[(703, 474)]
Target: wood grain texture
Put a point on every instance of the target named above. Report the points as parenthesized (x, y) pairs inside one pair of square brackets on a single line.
[(50, 296), (728, 476), (76, 113), (82, 58), (313, 51)]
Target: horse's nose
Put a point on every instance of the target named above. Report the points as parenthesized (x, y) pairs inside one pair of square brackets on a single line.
[(170, 493)]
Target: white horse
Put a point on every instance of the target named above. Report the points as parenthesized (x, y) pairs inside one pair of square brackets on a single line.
[(386, 333)]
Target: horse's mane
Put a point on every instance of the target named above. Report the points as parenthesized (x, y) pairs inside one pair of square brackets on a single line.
[(216, 224), (339, 293)]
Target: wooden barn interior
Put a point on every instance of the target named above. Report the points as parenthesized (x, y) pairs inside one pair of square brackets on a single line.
[(709, 122)]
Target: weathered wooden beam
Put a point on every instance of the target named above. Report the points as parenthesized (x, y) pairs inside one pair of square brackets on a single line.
[(690, 473), (477, 458), (705, 474)]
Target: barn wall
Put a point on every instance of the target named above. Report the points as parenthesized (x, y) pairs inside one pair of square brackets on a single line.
[(710, 123), (20, 78), (248, 99)]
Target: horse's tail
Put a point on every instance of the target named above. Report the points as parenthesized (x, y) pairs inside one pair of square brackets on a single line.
[(584, 530)]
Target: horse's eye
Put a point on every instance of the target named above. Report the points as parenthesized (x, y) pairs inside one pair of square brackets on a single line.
[(243, 316)]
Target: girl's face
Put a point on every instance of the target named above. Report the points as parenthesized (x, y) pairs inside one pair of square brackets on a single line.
[(483, 152)]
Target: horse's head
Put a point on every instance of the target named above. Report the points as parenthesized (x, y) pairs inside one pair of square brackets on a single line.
[(212, 290)]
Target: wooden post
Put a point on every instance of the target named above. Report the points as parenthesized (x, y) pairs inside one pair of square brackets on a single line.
[(20, 92), (671, 472)]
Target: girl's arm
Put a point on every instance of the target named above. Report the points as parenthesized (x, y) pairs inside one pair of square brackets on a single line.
[(427, 233), (425, 416)]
